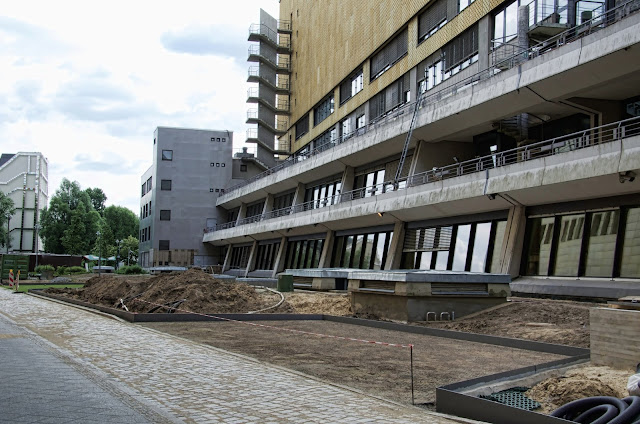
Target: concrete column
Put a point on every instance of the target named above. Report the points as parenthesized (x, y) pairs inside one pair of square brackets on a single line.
[(413, 83), (268, 204), (348, 177), (417, 153), (512, 244), (252, 259), (394, 256), (242, 213), (298, 198), (278, 264), (227, 258), (327, 248), (523, 29), (484, 42)]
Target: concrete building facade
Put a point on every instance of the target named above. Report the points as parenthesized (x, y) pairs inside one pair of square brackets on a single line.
[(178, 196), (24, 179), (482, 136)]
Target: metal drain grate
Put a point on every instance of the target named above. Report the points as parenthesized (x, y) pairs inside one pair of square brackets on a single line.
[(514, 397)]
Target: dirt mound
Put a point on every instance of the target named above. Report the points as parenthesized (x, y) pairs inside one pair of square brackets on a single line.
[(320, 303), (201, 293), (579, 383), (541, 320)]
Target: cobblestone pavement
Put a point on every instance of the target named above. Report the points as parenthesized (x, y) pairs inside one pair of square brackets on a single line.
[(190, 382)]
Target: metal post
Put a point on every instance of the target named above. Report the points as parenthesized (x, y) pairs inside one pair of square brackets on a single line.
[(8, 232), (413, 401), (37, 227), (99, 252)]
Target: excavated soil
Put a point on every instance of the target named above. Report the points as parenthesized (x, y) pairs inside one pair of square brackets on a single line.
[(201, 292), (580, 383), (543, 320)]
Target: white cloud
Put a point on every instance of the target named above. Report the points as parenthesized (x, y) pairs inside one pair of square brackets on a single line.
[(86, 83)]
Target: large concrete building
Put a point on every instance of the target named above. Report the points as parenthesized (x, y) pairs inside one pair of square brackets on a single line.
[(178, 195), (24, 179), (462, 136)]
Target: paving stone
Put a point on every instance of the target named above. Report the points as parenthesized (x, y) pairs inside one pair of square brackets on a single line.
[(176, 379)]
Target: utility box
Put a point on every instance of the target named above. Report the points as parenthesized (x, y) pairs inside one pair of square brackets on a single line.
[(16, 263), (285, 283)]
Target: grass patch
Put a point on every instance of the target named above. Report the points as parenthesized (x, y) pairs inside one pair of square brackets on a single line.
[(24, 287)]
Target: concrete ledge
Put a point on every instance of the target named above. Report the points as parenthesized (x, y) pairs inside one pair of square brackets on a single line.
[(583, 288), (271, 283), (402, 275)]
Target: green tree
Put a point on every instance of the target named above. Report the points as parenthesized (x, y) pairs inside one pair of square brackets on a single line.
[(98, 198), (57, 218), (105, 242), (6, 209), (129, 244), (122, 222), (74, 239)]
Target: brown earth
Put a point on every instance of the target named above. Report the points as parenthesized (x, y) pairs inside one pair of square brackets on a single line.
[(201, 292), (543, 320), (579, 383), (377, 370)]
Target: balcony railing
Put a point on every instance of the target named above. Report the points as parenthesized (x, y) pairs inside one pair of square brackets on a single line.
[(548, 12), (606, 19), (576, 141), (284, 25), (263, 30)]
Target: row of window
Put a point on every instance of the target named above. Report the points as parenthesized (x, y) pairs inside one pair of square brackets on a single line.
[(217, 164), (145, 210), (303, 254), (460, 247), (457, 55), (147, 186), (591, 244), (602, 243), (223, 140), (145, 234), (364, 251)]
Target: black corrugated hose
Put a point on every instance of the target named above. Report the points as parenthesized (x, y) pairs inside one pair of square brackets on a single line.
[(601, 410)]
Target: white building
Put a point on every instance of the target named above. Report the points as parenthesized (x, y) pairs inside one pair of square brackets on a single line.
[(24, 179)]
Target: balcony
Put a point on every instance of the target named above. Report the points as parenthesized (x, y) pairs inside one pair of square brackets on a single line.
[(281, 106), (488, 176), (486, 92), (281, 65), (278, 84), (262, 33), (280, 128)]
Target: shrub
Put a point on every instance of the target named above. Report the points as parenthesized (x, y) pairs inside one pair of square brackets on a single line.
[(131, 269), (75, 270), (41, 268), (61, 270)]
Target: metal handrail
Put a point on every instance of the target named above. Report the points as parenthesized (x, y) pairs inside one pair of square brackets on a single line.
[(571, 34), (579, 140), (262, 29)]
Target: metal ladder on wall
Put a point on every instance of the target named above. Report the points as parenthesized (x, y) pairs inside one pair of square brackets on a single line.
[(405, 149)]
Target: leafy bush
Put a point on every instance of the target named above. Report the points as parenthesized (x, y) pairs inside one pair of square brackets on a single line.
[(41, 268), (75, 270), (61, 270), (131, 269)]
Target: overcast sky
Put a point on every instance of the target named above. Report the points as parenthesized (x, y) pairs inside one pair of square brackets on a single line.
[(86, 82)]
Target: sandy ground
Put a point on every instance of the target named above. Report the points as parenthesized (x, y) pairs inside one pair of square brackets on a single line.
[(544, 320), (582, 382), (376, 369)]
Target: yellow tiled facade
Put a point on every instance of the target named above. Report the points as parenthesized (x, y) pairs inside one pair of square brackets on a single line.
[(328, 46)]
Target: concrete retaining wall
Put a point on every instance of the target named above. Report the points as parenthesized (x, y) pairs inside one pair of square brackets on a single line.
[(615, 337)]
